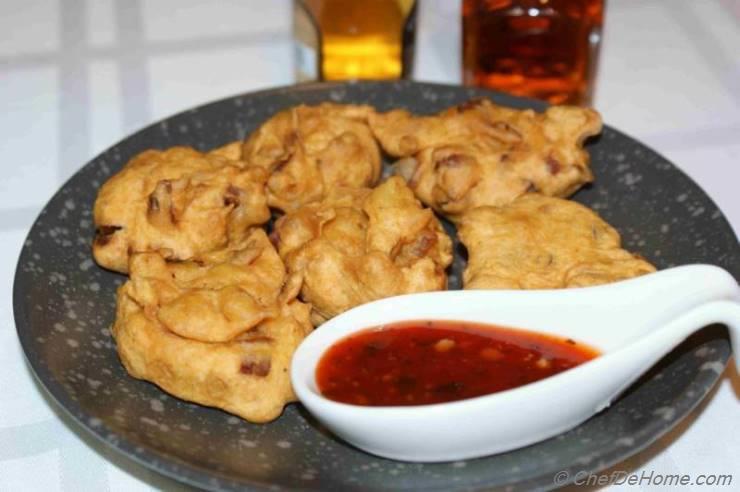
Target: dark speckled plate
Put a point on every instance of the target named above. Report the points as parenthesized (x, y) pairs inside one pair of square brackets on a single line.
[(64, 304)]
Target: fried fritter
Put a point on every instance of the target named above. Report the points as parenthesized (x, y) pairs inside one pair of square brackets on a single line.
[(217, 298), (308, 150), (220, 332), (180, 203), (232, 151), (540, 242), (480, 154), (359, 245)]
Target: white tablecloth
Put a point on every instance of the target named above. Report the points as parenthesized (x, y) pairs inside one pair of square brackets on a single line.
[(76, 76)]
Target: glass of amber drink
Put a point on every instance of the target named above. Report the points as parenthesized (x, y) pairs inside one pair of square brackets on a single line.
[(546, 49), (353, 39)]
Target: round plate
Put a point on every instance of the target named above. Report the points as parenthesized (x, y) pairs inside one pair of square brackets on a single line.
[(64, 304)]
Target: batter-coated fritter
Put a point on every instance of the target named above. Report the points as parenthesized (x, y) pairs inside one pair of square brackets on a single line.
[(308, 150), (217, 298), (480, 154), (539, 242), (220, 333), (232, 151), (180, 203), (358, 245)]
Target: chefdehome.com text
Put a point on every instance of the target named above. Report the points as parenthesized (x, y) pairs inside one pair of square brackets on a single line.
[(643, 478)]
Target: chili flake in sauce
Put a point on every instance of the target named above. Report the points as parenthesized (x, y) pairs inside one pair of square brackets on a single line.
[(423, 362)]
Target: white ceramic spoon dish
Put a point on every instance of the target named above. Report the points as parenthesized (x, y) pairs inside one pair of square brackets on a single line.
[(633, 323)]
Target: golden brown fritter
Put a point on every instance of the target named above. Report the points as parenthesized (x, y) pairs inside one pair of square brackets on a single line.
[(480, 154), (217, 298), (359, 245), (232, 151), (219, 332), (540, 242), (308, 150), (180, 203)]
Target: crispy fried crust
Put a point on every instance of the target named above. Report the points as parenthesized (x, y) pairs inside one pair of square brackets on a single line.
[(358, 245), (539, 242), (179, 202), (308, 150), (480, 154), (232, 151), (216, 299), (218, 333)]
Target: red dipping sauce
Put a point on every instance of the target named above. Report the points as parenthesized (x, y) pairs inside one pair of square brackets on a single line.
[(423, 362)]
